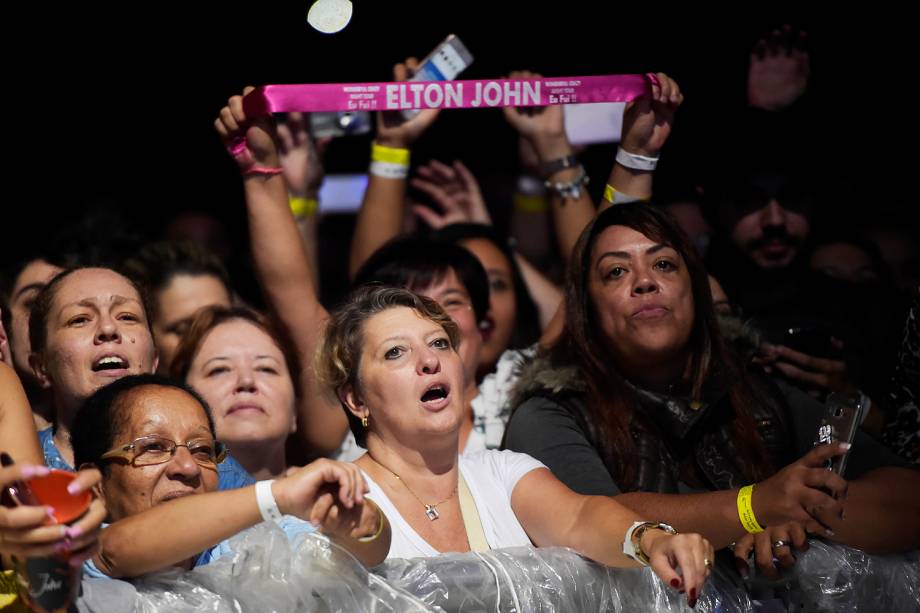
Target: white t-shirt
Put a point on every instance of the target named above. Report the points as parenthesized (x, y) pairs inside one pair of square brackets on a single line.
[(491, 476)]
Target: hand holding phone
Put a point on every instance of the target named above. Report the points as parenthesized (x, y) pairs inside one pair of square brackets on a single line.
[(839, 424)]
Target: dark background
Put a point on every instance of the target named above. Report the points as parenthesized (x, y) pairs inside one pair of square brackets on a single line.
[(111, 108)]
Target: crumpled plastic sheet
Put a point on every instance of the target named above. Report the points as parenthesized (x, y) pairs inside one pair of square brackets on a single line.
[(545, 580), (266, 574), (832, 578), (269, 574)]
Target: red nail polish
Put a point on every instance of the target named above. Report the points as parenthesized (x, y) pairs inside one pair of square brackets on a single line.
[(675, 582), (692, 603), (693, 595)]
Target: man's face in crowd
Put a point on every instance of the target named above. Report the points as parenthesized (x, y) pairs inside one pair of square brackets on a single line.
[(771, 236)]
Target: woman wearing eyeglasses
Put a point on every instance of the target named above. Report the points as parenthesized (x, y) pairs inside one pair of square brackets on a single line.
[(154, 441)]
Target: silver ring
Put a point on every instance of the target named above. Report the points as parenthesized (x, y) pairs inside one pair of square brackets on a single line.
[(780, 543)]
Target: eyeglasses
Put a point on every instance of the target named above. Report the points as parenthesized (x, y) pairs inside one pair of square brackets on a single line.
[(151, 450)]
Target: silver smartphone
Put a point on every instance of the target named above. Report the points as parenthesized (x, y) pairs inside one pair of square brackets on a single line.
[(445, 63), (343, 123), (839, 424)]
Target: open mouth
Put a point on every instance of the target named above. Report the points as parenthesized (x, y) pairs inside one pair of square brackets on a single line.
[(436, 392), (109, 362)]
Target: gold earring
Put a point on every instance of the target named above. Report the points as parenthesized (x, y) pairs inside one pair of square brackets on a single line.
[(364, 421)]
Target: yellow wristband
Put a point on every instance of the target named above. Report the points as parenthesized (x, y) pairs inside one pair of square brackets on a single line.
[(390, 155), (612, 196), (303, 207), (746, 510), (609, 193), (529, 204)]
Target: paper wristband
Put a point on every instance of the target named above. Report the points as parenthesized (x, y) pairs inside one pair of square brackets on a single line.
[(268, 507), (388, 170), (481, 93), (746, 510)]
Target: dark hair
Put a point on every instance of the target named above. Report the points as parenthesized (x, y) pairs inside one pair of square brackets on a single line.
[(210, 317), (103, 416), (339, 357), (416, 263), (156, 264), (8, 277), (611, 402), (527, 327), (38, 318)]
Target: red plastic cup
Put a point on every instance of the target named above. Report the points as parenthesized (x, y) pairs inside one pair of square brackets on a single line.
[(51, 491)]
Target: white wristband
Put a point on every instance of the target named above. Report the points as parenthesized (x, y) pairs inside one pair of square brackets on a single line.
[(268, 507), (389, 170), (635, 161)]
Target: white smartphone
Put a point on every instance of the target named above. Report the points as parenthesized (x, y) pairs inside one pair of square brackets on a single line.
[(587, 124), (342, 193), (445, 63)]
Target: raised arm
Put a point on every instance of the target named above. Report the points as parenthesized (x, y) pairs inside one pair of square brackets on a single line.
[(647, 124), (17, 429), (302, 161), (544, 129), (381, 214), (282, 266), (173, 532)]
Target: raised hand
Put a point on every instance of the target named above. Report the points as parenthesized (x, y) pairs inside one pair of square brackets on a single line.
[(647, 121), (393, 129), (301, 157), (251, 141), (455, 190), (779, 69)]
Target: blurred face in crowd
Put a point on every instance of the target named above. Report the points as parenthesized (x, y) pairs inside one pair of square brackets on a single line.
[(454, 298), (177, 304), (242, 374), (720, 301), (498, 326), (642, 296), (133, 486), (30, 281), (843, 261), (771, 236), (97, 332)]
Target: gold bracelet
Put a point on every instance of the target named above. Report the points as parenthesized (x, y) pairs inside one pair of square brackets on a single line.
[(381, 520)]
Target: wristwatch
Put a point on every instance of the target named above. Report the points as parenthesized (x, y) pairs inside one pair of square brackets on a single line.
[(547, 169), (632, 548)]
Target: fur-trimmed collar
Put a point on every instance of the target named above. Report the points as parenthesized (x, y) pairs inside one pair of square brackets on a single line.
[(540, 375)]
